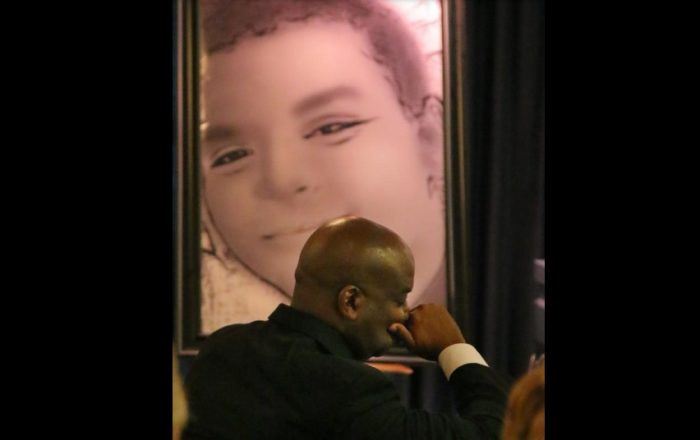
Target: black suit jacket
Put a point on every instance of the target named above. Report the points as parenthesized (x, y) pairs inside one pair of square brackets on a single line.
[(294, 377)]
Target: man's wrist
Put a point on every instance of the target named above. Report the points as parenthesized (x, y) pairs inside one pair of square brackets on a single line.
[(457, 355)]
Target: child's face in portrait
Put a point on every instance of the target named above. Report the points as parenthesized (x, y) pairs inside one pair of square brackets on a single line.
[(302, 126)]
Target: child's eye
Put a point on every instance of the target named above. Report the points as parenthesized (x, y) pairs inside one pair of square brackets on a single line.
[(231, 156), (334, 127)]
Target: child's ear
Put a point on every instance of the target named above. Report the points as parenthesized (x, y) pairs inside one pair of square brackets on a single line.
[(430, 132), (351, 300), (211, 239)]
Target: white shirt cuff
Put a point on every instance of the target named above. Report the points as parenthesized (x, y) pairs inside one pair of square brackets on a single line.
[(457, 355)]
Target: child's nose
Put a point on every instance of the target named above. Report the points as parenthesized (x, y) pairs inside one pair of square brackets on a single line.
[(284, 171)]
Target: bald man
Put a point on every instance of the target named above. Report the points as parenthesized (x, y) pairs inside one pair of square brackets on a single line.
[(299, 374)]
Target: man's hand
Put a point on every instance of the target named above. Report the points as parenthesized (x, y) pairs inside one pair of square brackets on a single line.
[(429, 330)]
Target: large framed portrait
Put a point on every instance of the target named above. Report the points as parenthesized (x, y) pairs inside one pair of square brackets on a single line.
[(295, 112)]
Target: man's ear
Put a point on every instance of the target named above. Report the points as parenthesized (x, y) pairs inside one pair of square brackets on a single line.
[(350, 301)]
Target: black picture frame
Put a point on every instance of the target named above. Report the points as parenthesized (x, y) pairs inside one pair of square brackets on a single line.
[(187, 180), (186, 185)]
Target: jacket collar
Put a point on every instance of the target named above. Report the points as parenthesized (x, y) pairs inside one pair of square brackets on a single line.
[(328, 337)]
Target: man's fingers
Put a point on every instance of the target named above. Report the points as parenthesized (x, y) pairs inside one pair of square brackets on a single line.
[(402, 332)]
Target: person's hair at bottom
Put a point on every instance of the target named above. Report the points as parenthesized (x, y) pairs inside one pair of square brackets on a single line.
[(179, 401), (525, 411)]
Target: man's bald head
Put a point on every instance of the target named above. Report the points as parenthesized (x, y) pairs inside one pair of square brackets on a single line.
[(351, 251)]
